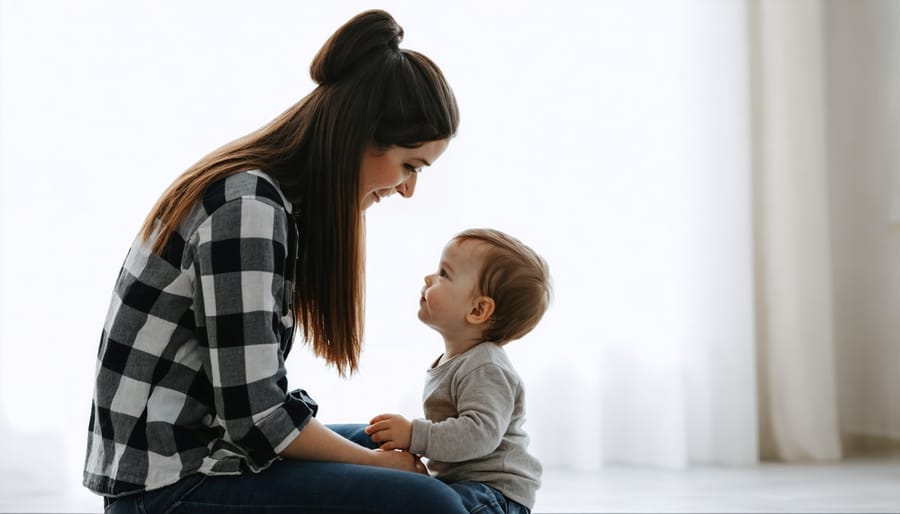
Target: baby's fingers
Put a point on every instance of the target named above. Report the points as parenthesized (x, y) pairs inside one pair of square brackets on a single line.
[(374, 427), (380, 436), (377, 427), (380, 417)]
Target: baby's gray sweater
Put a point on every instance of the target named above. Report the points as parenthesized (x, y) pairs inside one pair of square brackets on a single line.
[(475, 405)]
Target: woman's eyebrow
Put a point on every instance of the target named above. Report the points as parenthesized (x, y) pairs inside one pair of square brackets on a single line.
[(426, 163)]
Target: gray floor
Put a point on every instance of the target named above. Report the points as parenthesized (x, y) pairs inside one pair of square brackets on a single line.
[(854, 486)]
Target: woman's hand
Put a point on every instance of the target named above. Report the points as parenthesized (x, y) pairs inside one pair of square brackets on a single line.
[(391, 431), (404, 461)]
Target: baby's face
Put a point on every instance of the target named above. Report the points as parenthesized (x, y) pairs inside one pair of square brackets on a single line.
[(450, 292)]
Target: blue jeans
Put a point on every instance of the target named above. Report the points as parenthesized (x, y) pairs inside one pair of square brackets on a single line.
[(479, 498), (300, 487)]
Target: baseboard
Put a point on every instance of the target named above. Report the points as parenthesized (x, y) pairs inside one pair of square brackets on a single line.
[(869, 445)]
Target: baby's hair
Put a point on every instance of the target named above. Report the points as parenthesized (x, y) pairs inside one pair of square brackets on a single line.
[(516, 278)]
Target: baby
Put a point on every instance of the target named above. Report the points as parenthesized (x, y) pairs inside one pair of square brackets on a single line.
[(489, 289)]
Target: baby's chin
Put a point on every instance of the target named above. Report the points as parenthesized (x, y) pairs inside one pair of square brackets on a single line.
[(424, 319)]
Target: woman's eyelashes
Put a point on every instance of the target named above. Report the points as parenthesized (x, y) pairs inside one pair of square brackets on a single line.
[(412, 169)]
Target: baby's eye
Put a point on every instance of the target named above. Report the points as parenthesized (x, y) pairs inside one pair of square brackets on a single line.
[(442, 273)]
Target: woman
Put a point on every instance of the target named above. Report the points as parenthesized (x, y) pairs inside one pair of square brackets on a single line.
[(191, 407)]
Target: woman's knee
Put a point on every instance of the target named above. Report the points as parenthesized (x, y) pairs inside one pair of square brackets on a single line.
[(433, 496)]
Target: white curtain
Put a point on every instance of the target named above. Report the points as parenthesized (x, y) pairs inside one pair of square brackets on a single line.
[(798, 391), (816, 357), (677, 379)]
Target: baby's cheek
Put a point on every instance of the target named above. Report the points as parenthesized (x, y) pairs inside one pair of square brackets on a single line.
[(435, 303)]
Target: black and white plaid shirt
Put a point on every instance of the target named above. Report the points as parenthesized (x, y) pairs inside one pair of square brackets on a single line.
[(190, 372)]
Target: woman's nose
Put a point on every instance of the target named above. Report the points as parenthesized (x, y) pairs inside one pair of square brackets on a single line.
[(407, 187)]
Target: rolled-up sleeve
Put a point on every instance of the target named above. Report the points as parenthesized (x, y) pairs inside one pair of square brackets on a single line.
[(240, 257)]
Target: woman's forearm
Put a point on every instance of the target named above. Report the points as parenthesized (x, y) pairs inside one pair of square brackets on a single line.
[(318, 442)]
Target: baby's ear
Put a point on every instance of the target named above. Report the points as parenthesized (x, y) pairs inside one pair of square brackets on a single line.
[(482, 310)]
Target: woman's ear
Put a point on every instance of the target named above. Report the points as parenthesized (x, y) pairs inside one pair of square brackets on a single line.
[(482, 310)]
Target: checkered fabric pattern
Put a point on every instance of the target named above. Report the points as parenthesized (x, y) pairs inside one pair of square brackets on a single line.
[(190, 372)]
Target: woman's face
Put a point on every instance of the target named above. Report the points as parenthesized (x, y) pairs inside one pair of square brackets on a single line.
[(394, 170)]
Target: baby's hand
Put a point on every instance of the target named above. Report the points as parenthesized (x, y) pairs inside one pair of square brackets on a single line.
[(391, 431)]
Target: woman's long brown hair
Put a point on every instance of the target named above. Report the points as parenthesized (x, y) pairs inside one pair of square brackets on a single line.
[(369, 92)]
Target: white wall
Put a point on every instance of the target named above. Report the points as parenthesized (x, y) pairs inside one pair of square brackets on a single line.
[(864, 171)]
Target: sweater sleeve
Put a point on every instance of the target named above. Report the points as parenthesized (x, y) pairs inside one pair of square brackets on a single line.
[(485, 402), (240, 262)]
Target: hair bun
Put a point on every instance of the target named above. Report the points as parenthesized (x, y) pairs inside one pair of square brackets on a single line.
[(365, 34)]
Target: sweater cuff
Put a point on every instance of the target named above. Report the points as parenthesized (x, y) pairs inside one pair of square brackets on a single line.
[(418, 443)]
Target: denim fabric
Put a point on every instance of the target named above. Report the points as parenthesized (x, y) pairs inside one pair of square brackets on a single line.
[(484, 499), (301, 487)]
